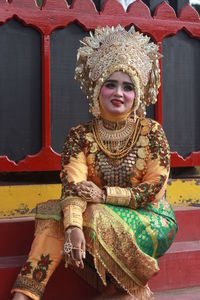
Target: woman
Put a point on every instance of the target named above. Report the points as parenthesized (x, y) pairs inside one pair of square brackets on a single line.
[(114, 176)]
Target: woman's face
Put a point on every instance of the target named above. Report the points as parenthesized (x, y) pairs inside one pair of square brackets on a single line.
[(117, 93)]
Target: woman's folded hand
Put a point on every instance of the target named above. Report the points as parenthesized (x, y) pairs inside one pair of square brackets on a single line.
[(90, 192)]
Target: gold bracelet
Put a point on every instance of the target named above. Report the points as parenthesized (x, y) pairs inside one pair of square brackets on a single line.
[(72, 216), (118, 196), (74, 200)]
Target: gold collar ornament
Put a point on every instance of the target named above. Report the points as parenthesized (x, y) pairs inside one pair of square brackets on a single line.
[(115, 49), (120, 142)]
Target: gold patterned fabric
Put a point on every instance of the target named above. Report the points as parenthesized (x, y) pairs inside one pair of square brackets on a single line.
[(115, 251), (126, 156), (124, 236)]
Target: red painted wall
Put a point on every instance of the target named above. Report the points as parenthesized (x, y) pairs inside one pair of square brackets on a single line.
[(55, 14)]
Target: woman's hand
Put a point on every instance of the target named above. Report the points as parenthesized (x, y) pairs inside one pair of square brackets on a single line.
[(89, 191), (75, 240), (20, 296)]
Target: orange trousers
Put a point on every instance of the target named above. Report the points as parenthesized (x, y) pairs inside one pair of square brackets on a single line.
[(45, 255)]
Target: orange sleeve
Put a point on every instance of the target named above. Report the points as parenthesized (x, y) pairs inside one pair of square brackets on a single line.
[(73, 170), (154, 181)]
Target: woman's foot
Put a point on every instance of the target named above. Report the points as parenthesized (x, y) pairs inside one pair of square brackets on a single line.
[(20, 296)]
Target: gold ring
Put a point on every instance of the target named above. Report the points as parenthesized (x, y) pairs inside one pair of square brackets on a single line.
[(79, 193), (77, 263)]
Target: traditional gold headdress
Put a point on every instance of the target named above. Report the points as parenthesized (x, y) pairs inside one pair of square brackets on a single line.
[(115, 49)]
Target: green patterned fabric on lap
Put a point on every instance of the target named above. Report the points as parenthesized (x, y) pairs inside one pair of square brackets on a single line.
[(153, 231)]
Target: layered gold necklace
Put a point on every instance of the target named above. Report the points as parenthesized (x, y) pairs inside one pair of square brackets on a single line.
[(116, 144)]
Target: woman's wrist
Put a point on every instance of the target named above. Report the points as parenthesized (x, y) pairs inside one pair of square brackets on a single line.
[(71, 228), (72, 216), (117, 196)]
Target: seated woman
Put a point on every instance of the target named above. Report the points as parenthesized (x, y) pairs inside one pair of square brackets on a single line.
[(114, 175)]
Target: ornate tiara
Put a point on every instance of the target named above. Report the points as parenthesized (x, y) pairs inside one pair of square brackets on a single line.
[(112, 49)]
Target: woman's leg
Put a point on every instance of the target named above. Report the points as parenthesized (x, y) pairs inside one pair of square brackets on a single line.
[(44, 257)]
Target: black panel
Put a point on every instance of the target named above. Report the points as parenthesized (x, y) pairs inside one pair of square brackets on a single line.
[(20, 90), (69, 106), (153, 3), (96, 2), (181, 90), (178, 4)]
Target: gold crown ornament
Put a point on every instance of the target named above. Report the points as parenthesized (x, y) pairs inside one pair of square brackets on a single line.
[(115, 49)]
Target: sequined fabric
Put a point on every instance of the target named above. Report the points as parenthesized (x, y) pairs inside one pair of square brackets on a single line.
[(125, 242)]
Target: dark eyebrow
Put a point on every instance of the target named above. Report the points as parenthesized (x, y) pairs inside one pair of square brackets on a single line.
[(111, 80), (115, 81), (126, 82)]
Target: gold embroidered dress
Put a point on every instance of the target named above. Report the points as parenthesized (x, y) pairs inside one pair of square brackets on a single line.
[(125, 241), (129, 159)]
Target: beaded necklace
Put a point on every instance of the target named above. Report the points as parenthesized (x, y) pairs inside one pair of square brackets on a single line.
[(116, 144)]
